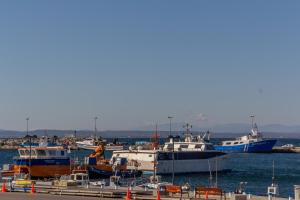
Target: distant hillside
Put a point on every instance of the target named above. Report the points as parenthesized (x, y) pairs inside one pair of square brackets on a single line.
[(218, 131)]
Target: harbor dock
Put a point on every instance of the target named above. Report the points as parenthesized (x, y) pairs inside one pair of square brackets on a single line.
[(286, 150), (107, 193), (45, 196)]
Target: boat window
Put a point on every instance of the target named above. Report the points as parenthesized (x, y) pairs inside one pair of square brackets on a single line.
[(27, 152), (52, 153), (22, 153), (198, 146), (184, 146), (78, 177), (241, 142), (62, 153), (41, 152), (228, 143), (33, 153), (150, 156), (236, 142)]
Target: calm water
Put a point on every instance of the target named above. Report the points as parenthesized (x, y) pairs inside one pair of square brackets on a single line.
[(256, 169)]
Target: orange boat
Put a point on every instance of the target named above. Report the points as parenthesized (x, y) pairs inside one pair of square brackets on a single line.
[(42, 162)]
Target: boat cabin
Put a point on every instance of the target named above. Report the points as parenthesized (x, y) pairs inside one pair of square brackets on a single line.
[(190, 143), (252, 137), (188, 146), (42, 152)]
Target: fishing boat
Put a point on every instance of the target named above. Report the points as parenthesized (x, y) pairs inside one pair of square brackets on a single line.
[(99, 167), (251, 143), (42, 162), (192, 155)]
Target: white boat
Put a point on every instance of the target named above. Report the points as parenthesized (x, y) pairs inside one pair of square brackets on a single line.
[(288, 146), (193, 155), (93, 143), (89, 143), (114, 147)]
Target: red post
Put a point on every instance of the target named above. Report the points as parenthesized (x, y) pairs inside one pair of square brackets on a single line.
[(3, 187), (206, 195), (128, 195), (158, 195), (32, 187)]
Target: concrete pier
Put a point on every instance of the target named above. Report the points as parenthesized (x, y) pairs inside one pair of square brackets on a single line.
[(39, 196), (108, 193), (26, 196), (286, 150)]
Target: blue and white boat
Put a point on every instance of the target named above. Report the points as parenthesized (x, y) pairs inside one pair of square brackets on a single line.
[(251, 143)]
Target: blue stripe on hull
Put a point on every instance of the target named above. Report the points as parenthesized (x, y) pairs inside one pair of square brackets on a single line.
[(262, 146), (34, 162)]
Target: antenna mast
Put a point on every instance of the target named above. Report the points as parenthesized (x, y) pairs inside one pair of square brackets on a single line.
[(252, 120)]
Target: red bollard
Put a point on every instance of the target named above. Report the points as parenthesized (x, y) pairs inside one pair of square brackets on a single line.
[(158, 195), (3, 187), (32, 187), (206, 195), (128, 195)]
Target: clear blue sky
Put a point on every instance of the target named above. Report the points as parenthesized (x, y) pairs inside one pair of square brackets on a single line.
[(133, 63)]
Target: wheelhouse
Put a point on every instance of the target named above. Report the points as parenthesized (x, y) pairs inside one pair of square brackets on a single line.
[(42, 152)]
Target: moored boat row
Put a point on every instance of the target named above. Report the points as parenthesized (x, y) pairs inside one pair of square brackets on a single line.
[(193, 154)]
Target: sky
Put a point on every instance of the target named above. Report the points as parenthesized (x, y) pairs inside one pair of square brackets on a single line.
[(134, 63)]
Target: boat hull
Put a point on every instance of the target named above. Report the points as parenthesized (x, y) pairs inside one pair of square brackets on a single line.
[(96, 173), (255, 147), (184, 162), (43, 168), (219, 164)]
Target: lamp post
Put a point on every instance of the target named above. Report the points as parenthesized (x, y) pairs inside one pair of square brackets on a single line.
[(27, 133), (173, 175), (95, 118)]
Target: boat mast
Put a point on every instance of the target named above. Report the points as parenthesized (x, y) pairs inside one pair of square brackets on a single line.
[(273, 177), (210, 175), (188, 134), (155, 144), (216, 171), (252, 120), (155, 139)]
